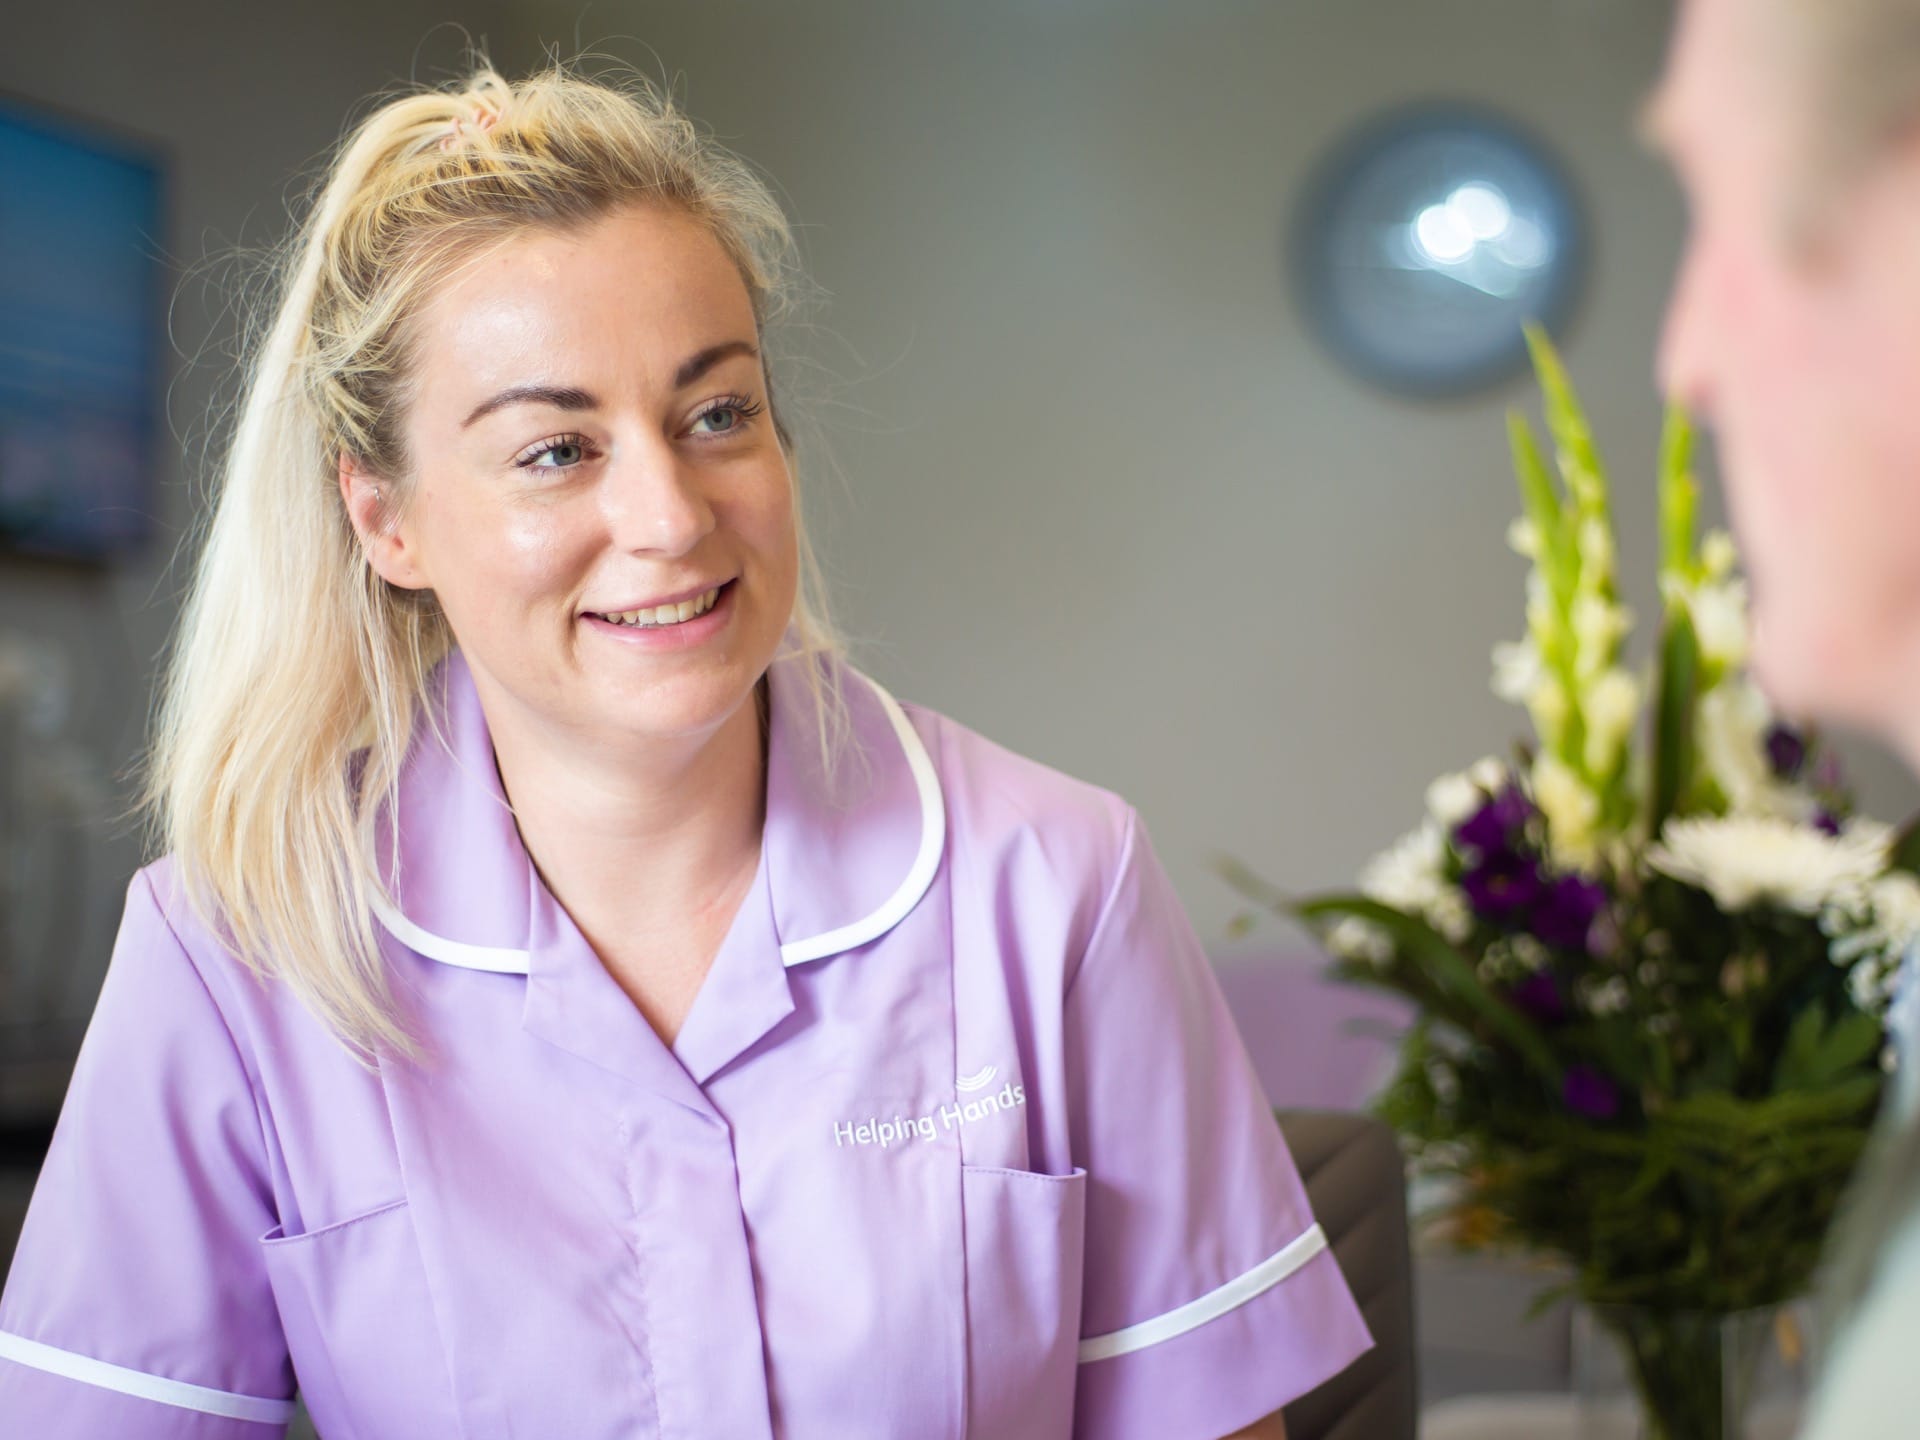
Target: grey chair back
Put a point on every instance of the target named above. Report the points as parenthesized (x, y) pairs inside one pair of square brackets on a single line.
[(1356, 1182)]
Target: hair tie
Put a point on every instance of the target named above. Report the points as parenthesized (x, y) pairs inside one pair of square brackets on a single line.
[(486, 114)]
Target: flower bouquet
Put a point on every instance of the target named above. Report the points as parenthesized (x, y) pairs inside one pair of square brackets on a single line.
[(1650, 963)]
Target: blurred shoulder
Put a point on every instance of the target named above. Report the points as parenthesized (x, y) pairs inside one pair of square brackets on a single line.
[(1871, 1387)]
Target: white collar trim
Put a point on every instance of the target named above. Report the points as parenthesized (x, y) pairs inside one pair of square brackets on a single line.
[(933, 831), (933, 828)]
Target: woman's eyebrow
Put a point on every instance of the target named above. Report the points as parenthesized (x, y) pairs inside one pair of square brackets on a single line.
[(572, 397)]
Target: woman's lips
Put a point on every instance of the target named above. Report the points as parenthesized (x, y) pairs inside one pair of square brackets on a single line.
[(680, 636)]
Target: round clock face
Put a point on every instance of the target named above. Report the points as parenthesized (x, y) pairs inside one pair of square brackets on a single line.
[(1425, 240)]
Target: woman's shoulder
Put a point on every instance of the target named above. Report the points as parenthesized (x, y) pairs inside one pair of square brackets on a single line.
[(158, 920), (164, 992), (162, 929), (1007, 808), (157, 891)]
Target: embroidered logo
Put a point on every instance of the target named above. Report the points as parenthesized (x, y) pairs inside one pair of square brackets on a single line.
[(901, 1129), (978, 1081)]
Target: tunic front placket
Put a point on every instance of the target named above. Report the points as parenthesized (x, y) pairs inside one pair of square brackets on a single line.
[(691, 1281), (577, 1199)]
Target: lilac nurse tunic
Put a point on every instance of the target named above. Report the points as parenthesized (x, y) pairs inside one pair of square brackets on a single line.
[(958, 1139)]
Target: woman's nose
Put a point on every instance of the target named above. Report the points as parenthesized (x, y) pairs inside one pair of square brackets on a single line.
[(657, 501)]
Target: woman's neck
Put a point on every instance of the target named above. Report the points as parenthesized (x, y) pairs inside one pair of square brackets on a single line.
[(643, 844)]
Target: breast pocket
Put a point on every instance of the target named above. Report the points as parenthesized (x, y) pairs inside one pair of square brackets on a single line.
[(360, 1328), (1025, 1248)]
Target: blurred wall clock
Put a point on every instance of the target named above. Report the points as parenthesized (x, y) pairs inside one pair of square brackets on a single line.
[(1425, 237)]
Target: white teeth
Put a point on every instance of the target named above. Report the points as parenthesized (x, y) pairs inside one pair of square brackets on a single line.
[(666, 614)]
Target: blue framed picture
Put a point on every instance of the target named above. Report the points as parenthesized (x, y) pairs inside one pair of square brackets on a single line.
[(82, 334), (1426, 237)]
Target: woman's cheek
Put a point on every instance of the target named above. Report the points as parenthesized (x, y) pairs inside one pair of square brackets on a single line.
[(542, 547)]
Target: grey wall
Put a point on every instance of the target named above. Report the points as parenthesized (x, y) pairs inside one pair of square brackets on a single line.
[(1094, 490)]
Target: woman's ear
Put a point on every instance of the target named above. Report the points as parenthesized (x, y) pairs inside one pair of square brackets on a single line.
[(372, 512)]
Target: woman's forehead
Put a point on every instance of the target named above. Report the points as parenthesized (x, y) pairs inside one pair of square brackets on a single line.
[(633, 297)]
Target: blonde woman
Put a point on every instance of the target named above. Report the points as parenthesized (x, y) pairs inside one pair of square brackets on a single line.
[(573, 1000), (1795, 329)]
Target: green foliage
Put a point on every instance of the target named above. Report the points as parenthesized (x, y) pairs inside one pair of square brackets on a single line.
[(1675, 693)]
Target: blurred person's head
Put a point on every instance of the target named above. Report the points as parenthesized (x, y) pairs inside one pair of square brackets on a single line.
[(563, 232), (1794, 331)]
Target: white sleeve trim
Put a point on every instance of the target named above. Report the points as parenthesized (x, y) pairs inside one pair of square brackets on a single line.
[(1214, 1303), (89, 1371)]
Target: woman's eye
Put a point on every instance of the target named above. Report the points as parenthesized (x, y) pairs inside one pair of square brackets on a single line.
[(736, 410), (558, 445), (729, 414)]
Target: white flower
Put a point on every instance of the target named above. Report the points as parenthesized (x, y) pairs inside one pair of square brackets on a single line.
[(1597, 552), (1548, 707), (1408, 877), (1510, 958), (1452, 798), (1745, 860), (1598, 627), (1896, 909), (1521, 676), (1874, 983), (1731, 731), (1529, 953), (1543, 615), (1881, 917), (1489, 773), (1606, 997), (1571, 808), (1613, 704), (1517, 670), (1523, 537), (1718, 555), (1352, 938), (1719, 614)]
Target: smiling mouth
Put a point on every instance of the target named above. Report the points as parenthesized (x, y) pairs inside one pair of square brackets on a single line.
[(663, 617)]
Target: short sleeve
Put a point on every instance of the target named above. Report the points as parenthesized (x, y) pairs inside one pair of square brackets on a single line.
[(1211, 1298), (137, 1302)]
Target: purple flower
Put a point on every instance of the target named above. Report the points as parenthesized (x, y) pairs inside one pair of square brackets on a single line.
[(1539, 997), (1498, 825), (1503, 887), (1826, 822), (1565, 915), (1786, 750), (1587, 1092)]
